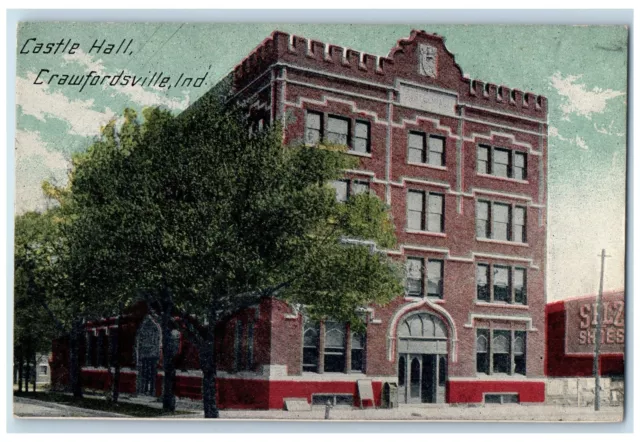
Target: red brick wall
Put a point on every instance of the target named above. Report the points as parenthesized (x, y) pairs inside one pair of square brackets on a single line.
[(559, 364)]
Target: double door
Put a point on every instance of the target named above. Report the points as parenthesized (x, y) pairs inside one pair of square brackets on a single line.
[(421, 378)]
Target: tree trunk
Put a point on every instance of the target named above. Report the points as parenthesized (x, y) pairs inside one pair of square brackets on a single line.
[(35, 371), (168, 396), (208, 363), (75, 374), (20, 370), (28, 376), (115, 359)]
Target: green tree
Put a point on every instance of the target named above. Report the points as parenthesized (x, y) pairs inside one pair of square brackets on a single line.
[(206, 217), (36, 278)]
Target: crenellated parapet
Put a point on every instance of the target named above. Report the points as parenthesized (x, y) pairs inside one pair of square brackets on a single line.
[(491, 95), (402, 63)]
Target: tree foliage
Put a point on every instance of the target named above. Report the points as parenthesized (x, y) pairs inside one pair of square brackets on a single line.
[(205, 216)]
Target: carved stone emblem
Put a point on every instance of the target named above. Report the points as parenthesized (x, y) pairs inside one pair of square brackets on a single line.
[(427, 60)]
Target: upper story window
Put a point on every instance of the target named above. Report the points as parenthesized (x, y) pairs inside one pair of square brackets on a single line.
[(338, 130), (501, 162), (356, 134), (425, 211), (362, 139), (501, 221), (425, 149), (313, 128), (347, 188), (501, 351), (501, 283), (415, 272)]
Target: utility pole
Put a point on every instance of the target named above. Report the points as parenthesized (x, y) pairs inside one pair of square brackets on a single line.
[(596, 356)]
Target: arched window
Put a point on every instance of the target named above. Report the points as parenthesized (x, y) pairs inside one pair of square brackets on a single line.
[(482, 351), (310, 347), (501, 351), (334, 347)]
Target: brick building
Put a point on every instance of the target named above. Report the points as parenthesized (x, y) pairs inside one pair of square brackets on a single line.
[(463, 166), (570, 335)]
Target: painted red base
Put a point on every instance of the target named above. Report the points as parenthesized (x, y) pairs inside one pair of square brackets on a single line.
[(473, 391)]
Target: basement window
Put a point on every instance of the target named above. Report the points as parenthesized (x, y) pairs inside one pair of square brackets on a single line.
[(333, 399), (506, 398)]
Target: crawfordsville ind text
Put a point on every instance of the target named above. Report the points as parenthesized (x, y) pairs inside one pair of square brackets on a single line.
[(93, 78)]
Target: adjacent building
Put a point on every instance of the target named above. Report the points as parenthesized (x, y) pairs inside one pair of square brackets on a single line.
[(463, 166)]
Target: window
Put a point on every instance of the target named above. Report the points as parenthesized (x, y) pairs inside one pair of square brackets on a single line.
[(415, 210), (334, 347), (520, 166), (482, 351), (501, 225), (520, 286), (434, 278), (360, 187), (483, 229), (342, 190), (237, 347), (415, 277), (43, 369), (482, 283), (435, 155), (519, 224), (358, 342), (338, 130), (313, 128), (346, 188), (414, 268), (501, 346), (417, 219), (250, 346), (483, 160), (520, 352), (501, 162), (417, 151), (101, 349), (435, 217), (501, 221), (362, 140), (426, 150), (442, 371), (89, 360), (502, 284), (310, 347), (495, 353)]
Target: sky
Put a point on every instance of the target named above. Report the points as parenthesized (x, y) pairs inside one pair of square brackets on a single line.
[(582, 70)]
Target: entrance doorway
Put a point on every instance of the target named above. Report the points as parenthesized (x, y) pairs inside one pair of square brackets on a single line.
[(422, 360)]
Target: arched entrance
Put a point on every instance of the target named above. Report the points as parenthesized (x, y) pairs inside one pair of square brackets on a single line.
[(422, 359), (148, 354)]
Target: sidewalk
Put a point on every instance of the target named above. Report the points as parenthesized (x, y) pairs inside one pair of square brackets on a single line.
[(444, 412), (441, 412)]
